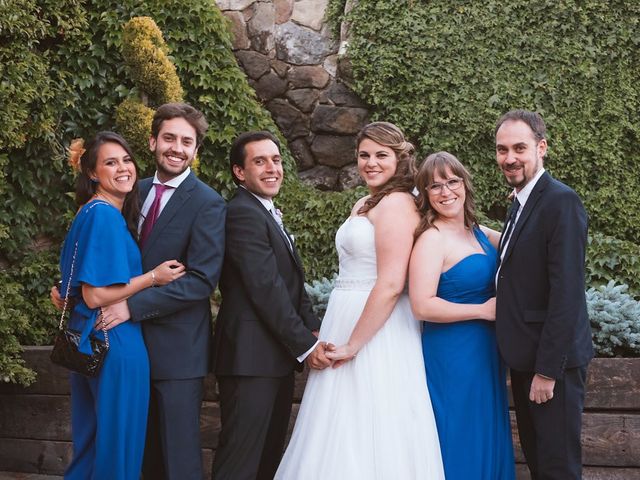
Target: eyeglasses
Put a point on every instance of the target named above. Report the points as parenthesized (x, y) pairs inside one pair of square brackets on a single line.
[(437, 188)]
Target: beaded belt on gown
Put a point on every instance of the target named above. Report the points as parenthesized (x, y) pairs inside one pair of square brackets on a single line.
[(354, 283)]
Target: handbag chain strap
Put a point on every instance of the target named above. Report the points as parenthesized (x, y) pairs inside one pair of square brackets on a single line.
[(66, 295)]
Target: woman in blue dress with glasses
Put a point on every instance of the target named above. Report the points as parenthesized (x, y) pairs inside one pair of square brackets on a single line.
[(452, 289)]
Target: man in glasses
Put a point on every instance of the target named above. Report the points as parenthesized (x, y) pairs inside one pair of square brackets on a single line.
[(541, 314)]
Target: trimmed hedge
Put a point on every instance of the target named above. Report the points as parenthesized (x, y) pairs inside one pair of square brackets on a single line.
[(446, 70)]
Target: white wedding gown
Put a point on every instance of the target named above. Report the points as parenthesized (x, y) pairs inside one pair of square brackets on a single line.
[(371, 418)]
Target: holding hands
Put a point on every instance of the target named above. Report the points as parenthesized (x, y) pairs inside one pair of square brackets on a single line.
[(342, 354), (318, 357), (327, 354)]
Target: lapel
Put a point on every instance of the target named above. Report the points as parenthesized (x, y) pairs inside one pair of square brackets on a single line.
[(143, 189), (533, 199), (173, 206), (273, 225)]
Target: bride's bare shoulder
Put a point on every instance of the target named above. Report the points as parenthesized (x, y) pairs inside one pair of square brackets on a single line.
[(358, 205)]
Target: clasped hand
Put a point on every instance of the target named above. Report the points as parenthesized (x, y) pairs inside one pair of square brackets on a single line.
[(327, 354)]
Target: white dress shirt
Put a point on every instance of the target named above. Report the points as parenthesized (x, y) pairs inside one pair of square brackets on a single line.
[(174, 183), (522, 196)]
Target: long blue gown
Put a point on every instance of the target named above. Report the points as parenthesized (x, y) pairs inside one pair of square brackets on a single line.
[(108, 413), (467, 378)]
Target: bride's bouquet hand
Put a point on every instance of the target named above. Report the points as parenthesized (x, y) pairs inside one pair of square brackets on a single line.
[(340, 355)]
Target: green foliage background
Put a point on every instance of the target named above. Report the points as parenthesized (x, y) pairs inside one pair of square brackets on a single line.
[(63, 76), (445, 70)]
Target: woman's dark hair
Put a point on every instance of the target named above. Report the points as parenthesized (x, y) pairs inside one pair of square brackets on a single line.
[(439, 163), (388, 135), (86, 188)]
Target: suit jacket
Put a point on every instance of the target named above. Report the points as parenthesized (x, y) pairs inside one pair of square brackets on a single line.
[(265, 320), (176, 318), (542, 324)]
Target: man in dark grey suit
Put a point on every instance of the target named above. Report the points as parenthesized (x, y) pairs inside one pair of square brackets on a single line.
[(542, 325), (183, 219), (265, 328)]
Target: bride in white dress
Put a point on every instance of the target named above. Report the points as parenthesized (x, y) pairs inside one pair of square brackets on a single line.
[(370, 416)]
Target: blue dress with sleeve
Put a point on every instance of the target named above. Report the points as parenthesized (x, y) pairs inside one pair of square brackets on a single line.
[(467, 378), (109, 412)]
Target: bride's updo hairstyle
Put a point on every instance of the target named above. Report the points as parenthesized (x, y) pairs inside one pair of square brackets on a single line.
[(438, 163), (388, 135)]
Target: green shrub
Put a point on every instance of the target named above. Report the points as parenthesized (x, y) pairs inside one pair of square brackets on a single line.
[(26, 314), (615, 321), (14, 322), (446, 70), (319, 292), (146, 55), (71, 81), (610, 259), (334, 15), (133, 120)]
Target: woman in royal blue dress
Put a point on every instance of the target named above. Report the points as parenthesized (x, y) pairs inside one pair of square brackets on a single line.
[(452, 288), (101, 256)]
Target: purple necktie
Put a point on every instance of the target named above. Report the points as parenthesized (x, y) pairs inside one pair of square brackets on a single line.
[(152, 214)]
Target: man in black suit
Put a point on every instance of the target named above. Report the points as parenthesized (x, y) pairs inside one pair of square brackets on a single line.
[(265, 328), (186, 223), (541, 314)]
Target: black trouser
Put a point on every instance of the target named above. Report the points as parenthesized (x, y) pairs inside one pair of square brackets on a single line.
[(173, 450), (550, 432), (255, 417)]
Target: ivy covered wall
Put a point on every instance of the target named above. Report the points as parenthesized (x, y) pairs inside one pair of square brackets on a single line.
[(63, 76), (445, 70)]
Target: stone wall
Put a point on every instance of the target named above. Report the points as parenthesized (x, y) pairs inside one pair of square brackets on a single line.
[(35, 428), (292, 60)]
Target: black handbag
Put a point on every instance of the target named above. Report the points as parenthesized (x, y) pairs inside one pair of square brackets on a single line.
[(65, 348)]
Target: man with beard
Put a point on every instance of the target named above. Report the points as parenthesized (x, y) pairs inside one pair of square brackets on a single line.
[(541, 314), (183, 219)]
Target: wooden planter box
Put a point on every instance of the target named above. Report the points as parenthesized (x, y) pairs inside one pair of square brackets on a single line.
[(35, 430)]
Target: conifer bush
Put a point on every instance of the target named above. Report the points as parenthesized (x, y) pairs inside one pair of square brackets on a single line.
[(615, 321)]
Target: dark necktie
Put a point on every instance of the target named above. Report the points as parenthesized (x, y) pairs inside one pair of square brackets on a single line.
[(153, 213), (510, 223)]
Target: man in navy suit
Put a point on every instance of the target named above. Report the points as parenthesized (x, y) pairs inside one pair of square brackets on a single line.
[(542, 325), (265, 328), (186, 223)]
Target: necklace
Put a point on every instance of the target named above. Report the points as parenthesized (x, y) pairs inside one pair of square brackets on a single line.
[(100, 196)]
